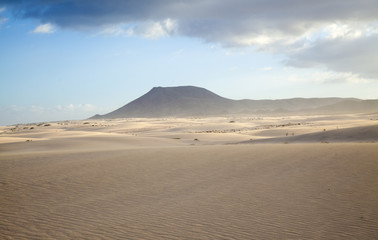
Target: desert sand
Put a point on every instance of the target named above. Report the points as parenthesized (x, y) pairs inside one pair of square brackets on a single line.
[(234, 177)]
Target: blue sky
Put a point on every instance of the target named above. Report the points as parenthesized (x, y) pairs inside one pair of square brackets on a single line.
[(64, 60)]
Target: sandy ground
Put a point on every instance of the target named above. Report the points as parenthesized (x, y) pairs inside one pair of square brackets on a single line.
[(195, 178)]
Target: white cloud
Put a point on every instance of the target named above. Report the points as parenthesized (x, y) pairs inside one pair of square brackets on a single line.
[(322, 77), (28, 114), (235, 52), (3, 20), (259, 40), (266, 69), (59, 108), (350, 30), (147, 29), (154, 30), (86, 107), (77, 107), (179, 52), (37, 109), (16, 108), (44, 28), (113, 30)]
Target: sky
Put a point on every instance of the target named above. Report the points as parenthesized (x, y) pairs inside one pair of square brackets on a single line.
[(72, 59)]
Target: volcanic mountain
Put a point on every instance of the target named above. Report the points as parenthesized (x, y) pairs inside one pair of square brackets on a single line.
[(173, 101), (194, 101)]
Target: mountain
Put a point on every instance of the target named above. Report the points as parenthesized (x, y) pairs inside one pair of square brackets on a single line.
[(194, 101), (173, 101)]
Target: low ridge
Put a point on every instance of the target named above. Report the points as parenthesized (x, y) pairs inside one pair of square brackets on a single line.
[(353, 134)]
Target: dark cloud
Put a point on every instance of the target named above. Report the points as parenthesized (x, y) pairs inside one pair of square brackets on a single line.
[(82, 13), (198, 17), (274, 25), (359, 56)]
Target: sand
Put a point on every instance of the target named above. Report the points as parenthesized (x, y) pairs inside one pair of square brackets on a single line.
[(191, 178)]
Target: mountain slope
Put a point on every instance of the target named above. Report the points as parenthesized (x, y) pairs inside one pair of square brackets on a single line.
[(194, 101), (173, 101)]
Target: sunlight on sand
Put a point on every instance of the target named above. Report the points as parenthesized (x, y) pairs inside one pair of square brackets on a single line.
[(191, 178)]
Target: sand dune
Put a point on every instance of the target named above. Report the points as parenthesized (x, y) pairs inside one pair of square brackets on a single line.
[(178, 178), (208, 192), (356, 134)]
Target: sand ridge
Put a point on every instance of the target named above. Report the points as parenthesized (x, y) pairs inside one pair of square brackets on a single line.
[(211, 130)]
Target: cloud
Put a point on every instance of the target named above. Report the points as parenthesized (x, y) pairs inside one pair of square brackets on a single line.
[(293, 28), (113, 30), (154, 30), (357, 55), (229, 22), (2, 18), (44, 28), (36, 109), (266, 69), (179, 52), (327, 77), (77, 108), (146, 29), (16, 108), (34, 113)]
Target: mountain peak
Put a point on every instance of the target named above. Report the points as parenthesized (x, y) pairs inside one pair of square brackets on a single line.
[(184, 92), (173, 101)]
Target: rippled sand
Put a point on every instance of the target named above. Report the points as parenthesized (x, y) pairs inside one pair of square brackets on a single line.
[(153, 180)]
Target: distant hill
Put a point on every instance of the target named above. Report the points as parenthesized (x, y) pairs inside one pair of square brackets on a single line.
[(194, 101), (350, 105)]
